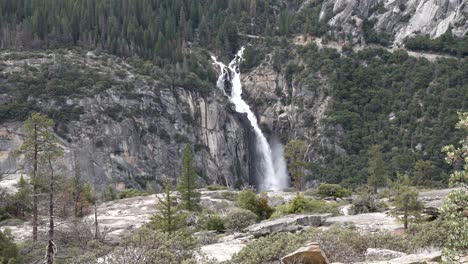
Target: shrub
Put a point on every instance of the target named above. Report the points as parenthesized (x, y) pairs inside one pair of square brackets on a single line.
[(428, 234), (333, 190), (257, 204), (127, 193), (109, 194), (338, 243), (148, 246), (11, 222), (239, 219), (226, 195), (212, 222), (300, 204), (367, 202), (216, 187), (269, 249), (9, 253)]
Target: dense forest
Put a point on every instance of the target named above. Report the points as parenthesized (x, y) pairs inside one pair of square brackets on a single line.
[(152, 29), (447, 43), (84, 85), (407, 105)]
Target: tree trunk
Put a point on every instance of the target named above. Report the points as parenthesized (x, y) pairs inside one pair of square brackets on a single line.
[(96, 226), (405, 219), (35, 189), (253, 8), (51, 248)]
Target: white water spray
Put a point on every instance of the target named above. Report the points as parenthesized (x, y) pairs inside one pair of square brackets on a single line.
[(271, 177)]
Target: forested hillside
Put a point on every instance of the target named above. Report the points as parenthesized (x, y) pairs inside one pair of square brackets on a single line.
[(152, 29), (126, 136), (406, 105)]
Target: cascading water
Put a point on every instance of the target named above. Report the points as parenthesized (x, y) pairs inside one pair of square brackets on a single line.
[(271, 177)]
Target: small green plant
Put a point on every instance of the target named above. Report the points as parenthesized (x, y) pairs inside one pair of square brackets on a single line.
[(212, 222), (367, 202), (128, 193), (216, 187), (300, 204), (255, 203), (9, 253), (239, 219), (333, 190)]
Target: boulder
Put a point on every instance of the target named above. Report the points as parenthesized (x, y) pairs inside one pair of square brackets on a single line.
[(426, 257), (310, 254), (379, 254), (290, 223)]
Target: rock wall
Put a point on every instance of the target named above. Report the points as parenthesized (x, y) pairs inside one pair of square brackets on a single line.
[(295, 110), (127, 137), (399, 18)]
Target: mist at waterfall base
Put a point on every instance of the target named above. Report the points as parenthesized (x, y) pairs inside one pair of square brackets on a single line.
[(271, 168)]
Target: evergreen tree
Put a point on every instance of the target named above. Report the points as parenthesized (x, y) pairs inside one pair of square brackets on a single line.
[(51, 153), (294, 153), (454, 208), (9, 253), (38, 136), (423, 172), (77, 190), (22, 198), (407, 202), (187, 182), (376, 168), (168, 217)]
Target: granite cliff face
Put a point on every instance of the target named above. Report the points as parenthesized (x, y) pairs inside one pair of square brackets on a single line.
[(131, 136), (126, 127), (398, 18), (300, 117)]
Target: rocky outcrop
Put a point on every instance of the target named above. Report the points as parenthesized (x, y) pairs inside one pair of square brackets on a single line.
[(226, 247), (426, 257), (370, 222), (398, 18), (292, 109), (135, 130), (310, 254), (289, 223), (378, 254)]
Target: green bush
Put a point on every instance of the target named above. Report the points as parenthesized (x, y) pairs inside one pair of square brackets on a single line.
[(11, 222), (428, 234), (255, 203), (109, 194), (212, 222), (333, 190), (216, 187), (367, 202), (127, 193), (148, 245), (9, 253), (300, 204), (339, 244), (239, 219)]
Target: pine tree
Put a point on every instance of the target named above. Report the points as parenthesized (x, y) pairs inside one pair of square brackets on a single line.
[(38, 135), (423, 171), (77, 190), (407, 202), (376, 169), (51, 152), (454, 208), (294, 153), (22, 198), (187, 182), (168, 217)]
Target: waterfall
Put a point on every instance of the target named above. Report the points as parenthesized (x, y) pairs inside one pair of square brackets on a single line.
[(271, 177)]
